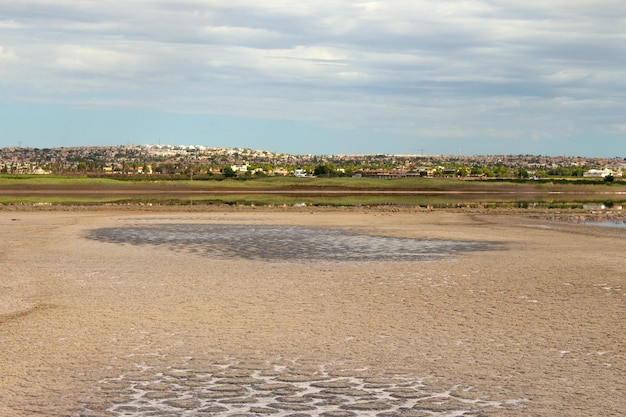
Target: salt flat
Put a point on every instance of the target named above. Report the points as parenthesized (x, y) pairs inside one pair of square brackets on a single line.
[(510, 315)]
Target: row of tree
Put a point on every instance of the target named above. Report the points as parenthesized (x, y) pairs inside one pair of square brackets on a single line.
[(186, 168)]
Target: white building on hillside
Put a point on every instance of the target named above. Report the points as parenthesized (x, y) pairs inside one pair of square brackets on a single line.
[(240, 167), (598, 173)]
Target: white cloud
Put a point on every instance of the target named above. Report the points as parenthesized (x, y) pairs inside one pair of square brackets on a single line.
[(7, 55), (568, 76), (619, 128), (10, 24), (93, 59), (425, 68)]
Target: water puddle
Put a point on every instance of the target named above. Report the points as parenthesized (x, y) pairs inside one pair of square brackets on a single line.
[(607, 224), (284, 243)]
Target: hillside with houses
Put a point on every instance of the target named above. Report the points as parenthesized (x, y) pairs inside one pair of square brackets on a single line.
[(204, 162)]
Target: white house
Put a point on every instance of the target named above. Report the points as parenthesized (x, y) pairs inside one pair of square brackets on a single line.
[(598, 173), (240, 167)]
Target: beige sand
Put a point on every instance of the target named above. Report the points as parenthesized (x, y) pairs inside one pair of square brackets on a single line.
[(536, 329)]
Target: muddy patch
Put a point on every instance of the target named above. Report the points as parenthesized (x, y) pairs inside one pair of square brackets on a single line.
[(285, 243)]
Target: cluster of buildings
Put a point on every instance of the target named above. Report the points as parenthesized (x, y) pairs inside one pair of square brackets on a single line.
[(603, 173), (202, 160)]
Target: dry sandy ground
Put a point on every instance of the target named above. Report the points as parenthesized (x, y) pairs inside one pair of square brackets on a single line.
[(534, 327)]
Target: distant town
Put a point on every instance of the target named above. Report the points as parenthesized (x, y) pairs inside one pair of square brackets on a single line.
[(198, 162)]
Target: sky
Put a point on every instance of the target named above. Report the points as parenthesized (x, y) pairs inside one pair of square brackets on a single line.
[(436, 77)]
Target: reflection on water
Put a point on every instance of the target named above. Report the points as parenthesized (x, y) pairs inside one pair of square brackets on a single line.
[(602, 206), (524, 204), (607, 224), (284, 242)]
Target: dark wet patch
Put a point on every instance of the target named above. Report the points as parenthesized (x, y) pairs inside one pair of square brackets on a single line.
[(284, 243)]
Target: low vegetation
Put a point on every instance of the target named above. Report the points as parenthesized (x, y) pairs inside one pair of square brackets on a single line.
[(338, 191)]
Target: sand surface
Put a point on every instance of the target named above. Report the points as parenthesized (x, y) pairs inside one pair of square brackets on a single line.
[(531, 325)]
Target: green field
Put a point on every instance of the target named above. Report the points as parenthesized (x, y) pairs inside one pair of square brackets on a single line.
[(275, 191)]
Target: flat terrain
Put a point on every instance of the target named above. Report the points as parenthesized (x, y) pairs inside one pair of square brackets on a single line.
[(92, 324)]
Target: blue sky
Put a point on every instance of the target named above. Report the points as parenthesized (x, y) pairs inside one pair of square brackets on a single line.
[(317, 77)]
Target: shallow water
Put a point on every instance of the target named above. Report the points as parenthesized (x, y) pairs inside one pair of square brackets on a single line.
[(607, 224), (284, 243)]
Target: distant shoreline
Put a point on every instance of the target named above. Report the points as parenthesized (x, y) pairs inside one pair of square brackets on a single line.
[(561, 216)]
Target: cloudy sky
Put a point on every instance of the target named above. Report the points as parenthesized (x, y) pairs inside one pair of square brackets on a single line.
[(323, 77)]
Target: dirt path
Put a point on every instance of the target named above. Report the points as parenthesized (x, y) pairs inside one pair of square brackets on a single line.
[(533, 326)]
